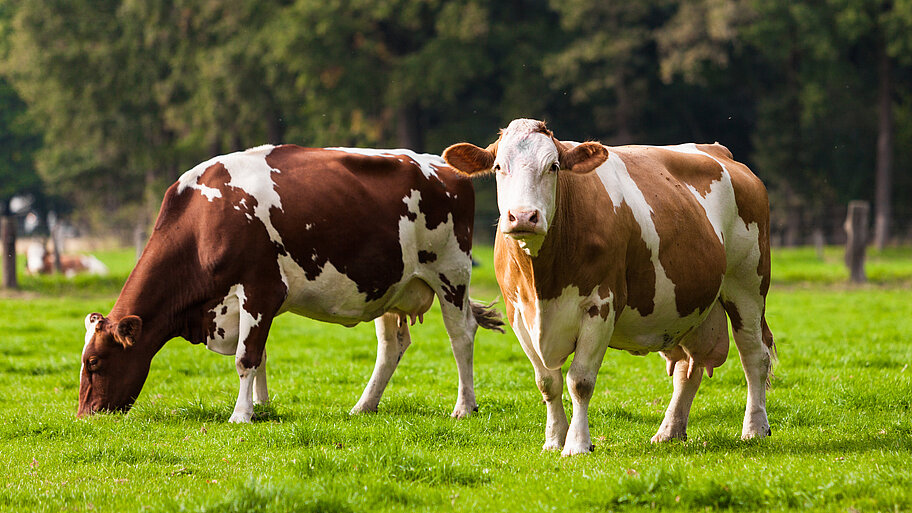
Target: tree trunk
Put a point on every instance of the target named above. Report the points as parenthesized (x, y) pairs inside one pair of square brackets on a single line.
[(275, 128), (56, 242), (856, 227), (8, 238), (408, 127), (883, 185)]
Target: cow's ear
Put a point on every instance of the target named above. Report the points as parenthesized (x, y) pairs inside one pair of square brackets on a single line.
[(127, 330), (583, 158), (469, 159)]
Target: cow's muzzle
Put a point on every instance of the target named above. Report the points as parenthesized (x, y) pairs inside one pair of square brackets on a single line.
[(522, 223)]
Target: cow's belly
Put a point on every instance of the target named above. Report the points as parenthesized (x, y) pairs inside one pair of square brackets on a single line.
[(334, 297), (659, 331), (560, 322)]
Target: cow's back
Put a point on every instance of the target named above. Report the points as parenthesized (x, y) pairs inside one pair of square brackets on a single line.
[(338, 228)]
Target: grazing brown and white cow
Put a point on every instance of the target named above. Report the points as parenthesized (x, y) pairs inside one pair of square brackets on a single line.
[(40, 261), (338, 235), (638, 248)]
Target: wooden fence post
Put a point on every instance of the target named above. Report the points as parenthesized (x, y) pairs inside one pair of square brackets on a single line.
[(8, 243), (856, 227)]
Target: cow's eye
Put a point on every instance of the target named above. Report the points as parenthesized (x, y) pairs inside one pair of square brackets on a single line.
[(92, 364), (496, 168), (555, 167)]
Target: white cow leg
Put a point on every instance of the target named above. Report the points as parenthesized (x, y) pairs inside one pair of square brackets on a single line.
[(250, 355), (674, 426), (461, 326), (756, 360), (243, 409), (260, 391), (550, 383), (392, 341), (590, 350)]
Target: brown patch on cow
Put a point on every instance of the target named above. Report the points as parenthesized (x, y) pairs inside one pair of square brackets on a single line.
[(344, 190), (640, 271), (733, 315), (689, 249), (426, 256), (698, 171), (453, 293)]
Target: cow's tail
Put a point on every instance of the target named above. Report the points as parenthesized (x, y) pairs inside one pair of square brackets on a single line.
[(487, 316)]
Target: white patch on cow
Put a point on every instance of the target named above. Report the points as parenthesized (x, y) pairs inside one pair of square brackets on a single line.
[(94, 265), (224, 339), (622, 188), (609, 173), (719, 203), (34, 257), (426, 162)]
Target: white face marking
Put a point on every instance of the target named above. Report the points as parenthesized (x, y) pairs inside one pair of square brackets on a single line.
[(524, 179), (90, 324), (426, 162)]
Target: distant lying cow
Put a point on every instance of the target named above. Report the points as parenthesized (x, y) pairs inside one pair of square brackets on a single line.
[(39, 261), (638, 248), (337, 235)]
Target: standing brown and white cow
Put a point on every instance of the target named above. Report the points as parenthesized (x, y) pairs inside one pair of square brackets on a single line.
[(338, 235), (637, 248)]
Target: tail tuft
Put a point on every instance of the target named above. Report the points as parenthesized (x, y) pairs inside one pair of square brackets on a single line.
[(487, 316)]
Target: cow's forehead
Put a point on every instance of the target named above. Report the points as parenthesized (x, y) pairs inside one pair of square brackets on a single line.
[(526, 139)]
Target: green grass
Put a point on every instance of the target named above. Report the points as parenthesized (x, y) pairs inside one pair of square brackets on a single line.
[(839, 409)]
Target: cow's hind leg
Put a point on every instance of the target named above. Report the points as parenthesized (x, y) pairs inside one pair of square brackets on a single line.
[(392, 341), (705, 347), (686, 383), (755, 347), (256, 314), (260, 391), (461, 326)]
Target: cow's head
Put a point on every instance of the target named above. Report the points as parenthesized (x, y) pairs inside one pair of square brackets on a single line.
[(526, 160), (113, 371)]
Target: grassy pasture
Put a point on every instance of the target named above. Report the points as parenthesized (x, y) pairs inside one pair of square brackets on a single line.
[(839, 410)]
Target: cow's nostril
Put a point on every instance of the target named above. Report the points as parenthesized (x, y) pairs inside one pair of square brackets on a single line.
[(512, 218), (534, 218)]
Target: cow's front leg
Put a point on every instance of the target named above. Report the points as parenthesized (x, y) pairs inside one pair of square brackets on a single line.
[(590, 350), (254, 326), (550, 383), (392, 341)]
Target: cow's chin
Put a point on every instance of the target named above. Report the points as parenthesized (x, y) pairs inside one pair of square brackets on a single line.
[(88, 411), (529, 242)]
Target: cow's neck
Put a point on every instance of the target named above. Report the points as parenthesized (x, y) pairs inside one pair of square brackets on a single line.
[(156, 294), (549, 268)]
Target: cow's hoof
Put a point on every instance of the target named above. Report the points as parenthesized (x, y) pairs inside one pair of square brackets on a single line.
[(360, 410), (572, 450), (758, 433), (240, 418), (552, 446), (461, 413), (662, 437)]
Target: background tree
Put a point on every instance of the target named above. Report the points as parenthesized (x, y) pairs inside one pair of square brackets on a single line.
[(17, 173)]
